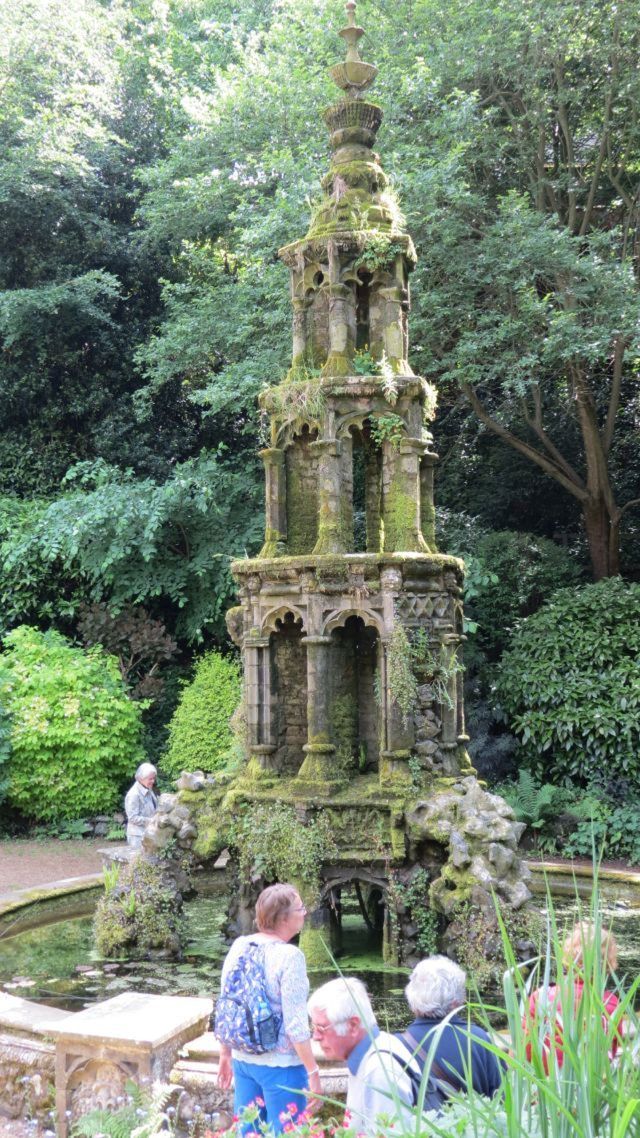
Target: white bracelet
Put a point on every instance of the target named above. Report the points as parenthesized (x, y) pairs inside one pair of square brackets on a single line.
[(316, 1071)]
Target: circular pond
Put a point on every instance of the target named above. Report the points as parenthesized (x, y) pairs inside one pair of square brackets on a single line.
[(55, 962)]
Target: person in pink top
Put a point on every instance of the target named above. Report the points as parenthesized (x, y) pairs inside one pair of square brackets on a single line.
[(544, 1014)]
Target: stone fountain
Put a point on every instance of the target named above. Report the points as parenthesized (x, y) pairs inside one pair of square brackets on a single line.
[(350, 620)]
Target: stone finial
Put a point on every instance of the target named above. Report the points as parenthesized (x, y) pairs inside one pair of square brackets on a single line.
[(353, 76)]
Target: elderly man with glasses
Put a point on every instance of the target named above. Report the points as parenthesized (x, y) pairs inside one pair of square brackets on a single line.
[(344, 1024)]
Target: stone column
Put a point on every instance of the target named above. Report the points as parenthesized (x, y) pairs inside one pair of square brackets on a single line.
[(427, 507), (341, 329), (401, 497), (393, 335), (398, 736), (300, 352), (331, 537), (257, 664), (318, 768), (275, 535)]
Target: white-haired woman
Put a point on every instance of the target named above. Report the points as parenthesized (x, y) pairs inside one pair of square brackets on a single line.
[(140, 804), (460, 1050)]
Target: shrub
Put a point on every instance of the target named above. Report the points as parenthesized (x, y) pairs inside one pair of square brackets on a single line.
[(532, 803), (509, 575), (199, 732), (74, 733), (570, 684)]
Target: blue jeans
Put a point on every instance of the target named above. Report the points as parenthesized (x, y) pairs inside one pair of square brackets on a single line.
[(277, 1087)]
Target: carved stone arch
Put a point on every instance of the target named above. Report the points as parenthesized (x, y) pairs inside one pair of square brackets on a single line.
[(349, 874), (271, 618), (383, 278), (288, 432), (339, 617), (358, 419), (313, 277)]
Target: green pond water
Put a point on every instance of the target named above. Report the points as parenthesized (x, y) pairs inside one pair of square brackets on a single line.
[(56, 963)]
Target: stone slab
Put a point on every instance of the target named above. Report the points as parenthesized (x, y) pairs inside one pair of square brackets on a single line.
[(146, 1021), (27, 1017)]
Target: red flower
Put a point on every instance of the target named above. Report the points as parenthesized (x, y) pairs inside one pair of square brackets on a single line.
[(292, 1107)]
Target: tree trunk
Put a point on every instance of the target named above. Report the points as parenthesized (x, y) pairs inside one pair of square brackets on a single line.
[(603, 538)]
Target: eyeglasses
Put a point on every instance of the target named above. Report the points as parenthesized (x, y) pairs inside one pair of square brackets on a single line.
[(299, 909), (321, 1029)]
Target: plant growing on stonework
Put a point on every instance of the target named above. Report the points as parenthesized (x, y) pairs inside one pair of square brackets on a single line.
[(298, 399), (363, 362), (401, 679), (389, 382), (388, 428), (138, 911), (379, 252), (435, 666), (430, 403), (274, 844), (412, 661), (413, 894)]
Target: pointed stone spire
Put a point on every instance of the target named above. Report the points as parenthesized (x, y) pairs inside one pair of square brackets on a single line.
[(353, 76)]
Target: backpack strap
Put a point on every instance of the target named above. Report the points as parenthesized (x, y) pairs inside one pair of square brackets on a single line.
[(444, 1083), (434, 1097)]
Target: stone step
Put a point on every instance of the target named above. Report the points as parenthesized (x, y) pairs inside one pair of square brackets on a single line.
[(197, 1067)]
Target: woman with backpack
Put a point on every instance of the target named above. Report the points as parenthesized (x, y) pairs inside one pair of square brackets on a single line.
[(261, 1017)]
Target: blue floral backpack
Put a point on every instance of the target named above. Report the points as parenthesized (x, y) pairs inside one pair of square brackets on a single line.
[(243, 1016)]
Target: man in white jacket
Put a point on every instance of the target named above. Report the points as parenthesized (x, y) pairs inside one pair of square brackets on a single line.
[(344, 1025)]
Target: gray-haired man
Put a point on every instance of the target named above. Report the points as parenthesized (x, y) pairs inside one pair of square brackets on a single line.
[(344, 1025)]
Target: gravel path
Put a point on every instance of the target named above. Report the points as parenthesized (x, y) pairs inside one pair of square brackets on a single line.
[(25, 863)]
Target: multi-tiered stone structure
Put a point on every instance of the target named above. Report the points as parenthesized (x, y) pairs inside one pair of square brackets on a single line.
[(350, 547), (350, 621)]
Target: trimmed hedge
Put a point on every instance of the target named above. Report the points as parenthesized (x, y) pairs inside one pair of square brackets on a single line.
[(199, 732)]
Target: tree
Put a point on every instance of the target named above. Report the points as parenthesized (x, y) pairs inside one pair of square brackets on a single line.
[(130, 541), (531, 200)]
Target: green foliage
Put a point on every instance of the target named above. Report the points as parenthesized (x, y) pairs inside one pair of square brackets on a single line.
[(435, 665), (363, 362), (612, 829), (5, 735), (144, 1115), (379, 252), (531, 802), (507, 575), (401, 680), (413, 894), (200, 733), (298, 400), (412, 660), (570, 684), (129, 541), (74, 733), (275, 844), (137, 911), (388, 428)]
